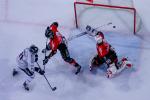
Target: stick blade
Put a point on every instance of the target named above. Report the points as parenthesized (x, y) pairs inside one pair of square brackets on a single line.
[(54, 88)]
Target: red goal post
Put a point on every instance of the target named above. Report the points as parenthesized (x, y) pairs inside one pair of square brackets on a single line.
[(105, 6)]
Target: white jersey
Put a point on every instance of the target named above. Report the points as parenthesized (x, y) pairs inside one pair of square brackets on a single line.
[(26, 59)]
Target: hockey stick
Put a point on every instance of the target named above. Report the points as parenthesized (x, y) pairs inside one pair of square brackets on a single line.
[(104, 25), (76, 36), (45, 51), (84, 33), (52, 88)]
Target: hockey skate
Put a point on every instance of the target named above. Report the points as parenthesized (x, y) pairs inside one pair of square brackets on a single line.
[(109, 74), (113, 70), (124, 63), (15, 72), (26, 87)]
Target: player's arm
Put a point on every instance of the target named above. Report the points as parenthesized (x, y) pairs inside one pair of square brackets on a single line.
[(52, 53)]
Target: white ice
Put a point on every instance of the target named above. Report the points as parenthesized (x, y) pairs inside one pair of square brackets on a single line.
[(23, 22)]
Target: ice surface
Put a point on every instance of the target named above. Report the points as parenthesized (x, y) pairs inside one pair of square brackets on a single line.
[(25, 24)]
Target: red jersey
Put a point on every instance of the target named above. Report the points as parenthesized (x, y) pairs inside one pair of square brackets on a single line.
[(53, 28), (57, 39), (103, 49)]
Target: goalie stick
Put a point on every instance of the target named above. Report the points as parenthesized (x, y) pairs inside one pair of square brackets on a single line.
[(88, 28), (76, 36)]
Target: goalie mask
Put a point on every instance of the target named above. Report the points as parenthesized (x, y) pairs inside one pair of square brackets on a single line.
[(101, 34), (99, 39)]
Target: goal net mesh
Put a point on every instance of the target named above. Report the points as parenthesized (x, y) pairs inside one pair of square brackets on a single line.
[(121, 13)]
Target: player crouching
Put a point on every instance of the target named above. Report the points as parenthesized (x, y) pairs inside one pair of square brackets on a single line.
[(106, 54)]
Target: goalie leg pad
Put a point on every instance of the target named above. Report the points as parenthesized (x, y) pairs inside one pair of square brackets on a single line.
[(126, 63), (111, 71)]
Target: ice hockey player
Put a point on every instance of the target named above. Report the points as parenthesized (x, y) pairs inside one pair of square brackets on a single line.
[(26, 63), (107, 55), (57, 41)]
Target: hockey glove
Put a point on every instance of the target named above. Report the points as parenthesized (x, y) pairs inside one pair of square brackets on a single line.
[(36, 58), (44, 50), (40, 71), (47, 31), (45, 60)]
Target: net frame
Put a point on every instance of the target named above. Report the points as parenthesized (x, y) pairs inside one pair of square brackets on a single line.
[(130, 7)]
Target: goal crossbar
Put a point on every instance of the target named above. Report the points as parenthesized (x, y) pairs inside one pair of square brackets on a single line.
[(105, 6)]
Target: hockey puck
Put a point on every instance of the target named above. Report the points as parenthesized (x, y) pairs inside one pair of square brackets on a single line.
[(114, 26)]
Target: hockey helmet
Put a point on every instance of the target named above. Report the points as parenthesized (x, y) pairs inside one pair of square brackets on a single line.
[(54, 26), (55, 23), (33, 49)]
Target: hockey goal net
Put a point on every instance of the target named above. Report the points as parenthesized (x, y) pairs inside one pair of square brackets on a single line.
[(96, 13)]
